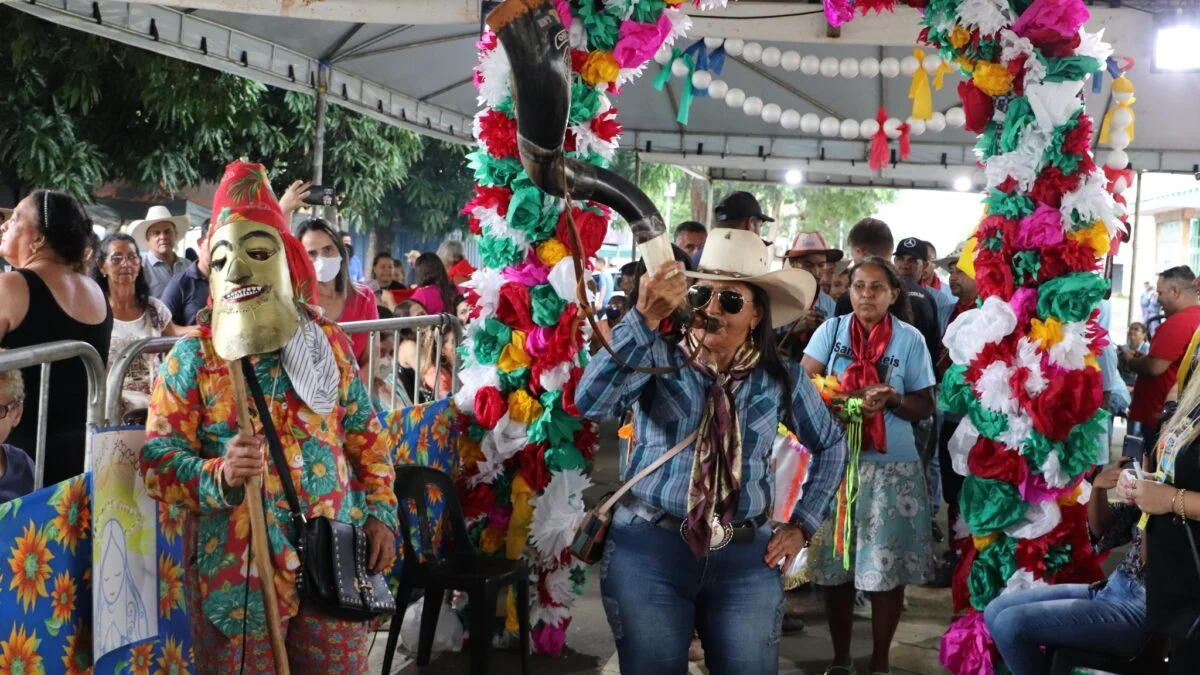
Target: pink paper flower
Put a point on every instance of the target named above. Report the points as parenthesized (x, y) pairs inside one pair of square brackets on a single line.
[(531, 273), (549, 639), (538, 341), (564, 12), (1043, 227), (1024, 304), (638, 42), (1061, 17), (838, 12), (967, 647)]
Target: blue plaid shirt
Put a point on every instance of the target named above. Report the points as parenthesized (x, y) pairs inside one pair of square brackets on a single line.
[(608, 390)]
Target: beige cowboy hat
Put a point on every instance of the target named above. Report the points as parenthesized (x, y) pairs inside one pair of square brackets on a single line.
[(156, 214), (5, 214), (813, 242), (737, 255), (949, 262)]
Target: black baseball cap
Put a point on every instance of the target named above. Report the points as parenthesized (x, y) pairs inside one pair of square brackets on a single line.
[(913, 248), (739, 205)]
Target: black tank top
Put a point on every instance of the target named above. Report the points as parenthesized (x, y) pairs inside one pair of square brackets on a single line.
[(67, 429)]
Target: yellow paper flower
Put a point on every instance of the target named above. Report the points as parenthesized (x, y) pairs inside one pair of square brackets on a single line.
[(523, 408), (491, 540), (522, 516), (992, 79), (600, 67), (966, 64), (469, 452), (1094, 237), (959, 37), (1073, 498), (551, 251), (984, 542), (1090, 361), (513, 356), (1048, 332)]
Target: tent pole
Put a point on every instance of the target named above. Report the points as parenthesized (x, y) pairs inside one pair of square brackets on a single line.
[(1133, 227), (637, 180), (319, 142)]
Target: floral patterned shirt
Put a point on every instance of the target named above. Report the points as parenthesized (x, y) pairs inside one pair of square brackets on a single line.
[(341, 467)]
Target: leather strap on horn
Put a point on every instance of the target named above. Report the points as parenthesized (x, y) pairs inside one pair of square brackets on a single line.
[(508, 11)]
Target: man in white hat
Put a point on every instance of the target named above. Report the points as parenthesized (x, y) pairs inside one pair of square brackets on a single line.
[(156, 236)]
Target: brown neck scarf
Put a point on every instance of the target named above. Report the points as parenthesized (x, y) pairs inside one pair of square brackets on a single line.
[(717, 464)]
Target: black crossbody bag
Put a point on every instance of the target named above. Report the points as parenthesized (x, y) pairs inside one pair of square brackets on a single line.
[(334, 576)]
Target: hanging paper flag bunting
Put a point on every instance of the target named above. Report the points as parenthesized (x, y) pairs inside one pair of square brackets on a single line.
[(918, 91), (879, 144)]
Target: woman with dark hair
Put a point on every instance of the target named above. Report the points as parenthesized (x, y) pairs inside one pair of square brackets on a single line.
[(434, 291), (881, 358), (46, 299), (691, 547), (136, 315), (385, 276), (340, 298)]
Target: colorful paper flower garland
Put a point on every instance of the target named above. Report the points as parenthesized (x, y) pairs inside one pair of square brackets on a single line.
[(525, 451), (1025, 373)]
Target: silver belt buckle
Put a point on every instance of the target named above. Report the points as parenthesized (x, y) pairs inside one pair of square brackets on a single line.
[(720, 537)]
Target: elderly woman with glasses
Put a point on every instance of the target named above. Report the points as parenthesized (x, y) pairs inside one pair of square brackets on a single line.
[(691, 547)]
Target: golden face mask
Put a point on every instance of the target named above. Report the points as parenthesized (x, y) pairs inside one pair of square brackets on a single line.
[(253, 308)]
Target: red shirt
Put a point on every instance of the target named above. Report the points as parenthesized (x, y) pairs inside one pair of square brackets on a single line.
[(1169, 344), (361, 306)]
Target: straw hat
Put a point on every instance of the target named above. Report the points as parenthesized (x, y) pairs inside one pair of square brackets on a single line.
[(948, 262), (737, 255), (813, 242), (156, 214)]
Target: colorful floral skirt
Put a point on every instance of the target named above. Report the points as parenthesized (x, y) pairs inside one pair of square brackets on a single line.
[(890, 537)]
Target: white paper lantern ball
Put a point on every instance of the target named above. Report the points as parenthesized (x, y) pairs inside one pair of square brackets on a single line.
[(790, 119), (868, 128), (790, 60), (916, 127), (830, 66), (713, 42), (830, 126), (956, 117), (909, 65), (679, 68), (752, 52), (734, 46), (717, 89), (771, 113), (701, 79), (771, 56), (662, 56), (810, 123), (753, 106), (931, 63), (868, 67), (810, 64), (1118, 139), (1121, 118), (1120, 185), (734, 98), (848, 68), (1117, 159), (849, 129), (892, 127), (889, 68), (936, 123)]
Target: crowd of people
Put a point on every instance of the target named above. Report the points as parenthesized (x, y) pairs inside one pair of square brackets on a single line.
[(711, 358)]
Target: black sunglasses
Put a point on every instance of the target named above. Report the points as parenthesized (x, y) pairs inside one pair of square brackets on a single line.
[(731, 301)]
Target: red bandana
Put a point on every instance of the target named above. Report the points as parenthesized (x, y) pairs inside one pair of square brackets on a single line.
[(868, 350)]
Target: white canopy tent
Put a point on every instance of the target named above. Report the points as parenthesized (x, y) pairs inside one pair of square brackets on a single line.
[(408, 62)]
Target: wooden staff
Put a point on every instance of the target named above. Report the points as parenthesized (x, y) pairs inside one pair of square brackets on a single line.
[(258, 528)]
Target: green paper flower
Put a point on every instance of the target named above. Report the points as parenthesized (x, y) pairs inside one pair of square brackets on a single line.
[(498, 253), (989, 422), (492, 171), (555, 426), (1037, 449), (956, 393), (529, 212), (1017, 119), (512, 381), (987, 145), (1071, 297), (1014, 206), (990, 505), (1082, 449), (602, 28), (1054, 155), (1057, 557), (1069, 68), (507, 107), (502, 486), (548, 305), (585, 102), (564, 458), (1025, 267), (491, 340), (991, 570), (476, 432), (648, 11)]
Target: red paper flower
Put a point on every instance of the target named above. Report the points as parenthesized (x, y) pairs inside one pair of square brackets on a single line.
[(586, 440), (578, 58), (568, 397), (592, 228), (993, 275), (1065, 258), (1016, 68), (533, 467), (605, 126), (978, 106), (499, 133), (989, 459), (997, 225), (490, 406), (479, 500), (496, 198), (567, 338), (1031, 555), (1068, 400), (1079, 140), (515, 307), (962, 572), (1051, 185)]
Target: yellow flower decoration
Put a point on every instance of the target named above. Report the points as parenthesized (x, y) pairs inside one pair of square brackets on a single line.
[(1095, 237), (1090, 361), (469, 452), (1068, 499), (523, 408), (551, 251), (513, 356), (984, 542), (600, 67), (992, 79), (959, 37), (491, 540), (522, 516), (966, 64), (1048, 332)]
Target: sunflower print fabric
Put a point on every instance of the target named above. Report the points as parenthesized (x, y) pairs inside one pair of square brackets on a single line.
[(341, 467)]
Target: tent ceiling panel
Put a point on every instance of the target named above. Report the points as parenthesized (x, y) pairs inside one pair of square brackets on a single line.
[(413, 69)]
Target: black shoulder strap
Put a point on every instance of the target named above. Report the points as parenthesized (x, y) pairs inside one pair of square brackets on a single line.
[(281, 467)]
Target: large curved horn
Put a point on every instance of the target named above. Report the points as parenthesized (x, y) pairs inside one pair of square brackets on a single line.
[(535, 41)]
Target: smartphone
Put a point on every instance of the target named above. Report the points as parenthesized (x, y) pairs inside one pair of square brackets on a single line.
[(1133, 447), (320, 195)]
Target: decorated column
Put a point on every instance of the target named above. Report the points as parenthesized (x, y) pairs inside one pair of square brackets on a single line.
[(526, 452)]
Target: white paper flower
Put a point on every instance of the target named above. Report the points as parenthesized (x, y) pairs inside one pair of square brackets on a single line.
[(989, 16), (1070, 352), (994, 388), (1020, 426), (1022, 580), (1093, 45), (473, 379), (1054, 103), (1023, 163), (1039, 519), (494, 68), (486, 283), (1013, 47), (1092, 202), (490, 467), (511, 437), (557, 512), (560, 588), (681, 24), (554, 379), (1085, 489), (960, 445), (1052, 472), (1029, 357), (975, 328)]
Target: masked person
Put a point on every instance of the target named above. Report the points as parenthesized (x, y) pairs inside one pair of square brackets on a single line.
[(263, 290)]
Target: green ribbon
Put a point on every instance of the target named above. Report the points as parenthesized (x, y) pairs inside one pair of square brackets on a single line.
[(851, 414), (685, 99), (664, 75)]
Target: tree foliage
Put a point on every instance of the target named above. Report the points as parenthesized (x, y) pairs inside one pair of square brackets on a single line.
[(432, 196), (828, 210), (77, 111)]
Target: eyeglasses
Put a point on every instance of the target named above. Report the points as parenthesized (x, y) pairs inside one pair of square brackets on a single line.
[(731, 301), (6, 408), (120, 260)]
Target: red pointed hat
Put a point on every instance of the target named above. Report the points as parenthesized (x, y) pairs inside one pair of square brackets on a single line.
[(245, 194)]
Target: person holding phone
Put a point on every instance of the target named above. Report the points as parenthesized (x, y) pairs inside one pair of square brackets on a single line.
[(877, 355)]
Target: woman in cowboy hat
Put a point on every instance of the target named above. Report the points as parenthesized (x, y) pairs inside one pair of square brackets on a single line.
[(667, 568)]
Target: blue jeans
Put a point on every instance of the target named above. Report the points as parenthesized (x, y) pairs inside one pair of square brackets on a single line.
[(1111, 620), (656, 594)]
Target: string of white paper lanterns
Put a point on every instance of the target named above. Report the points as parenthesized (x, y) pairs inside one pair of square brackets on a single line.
[(1119, 139), (810, 64)]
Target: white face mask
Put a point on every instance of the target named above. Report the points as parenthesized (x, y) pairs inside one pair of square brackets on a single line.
[(327, 269)]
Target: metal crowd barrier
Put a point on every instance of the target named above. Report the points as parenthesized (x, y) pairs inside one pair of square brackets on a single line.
[(442, 325), (43, 355)]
